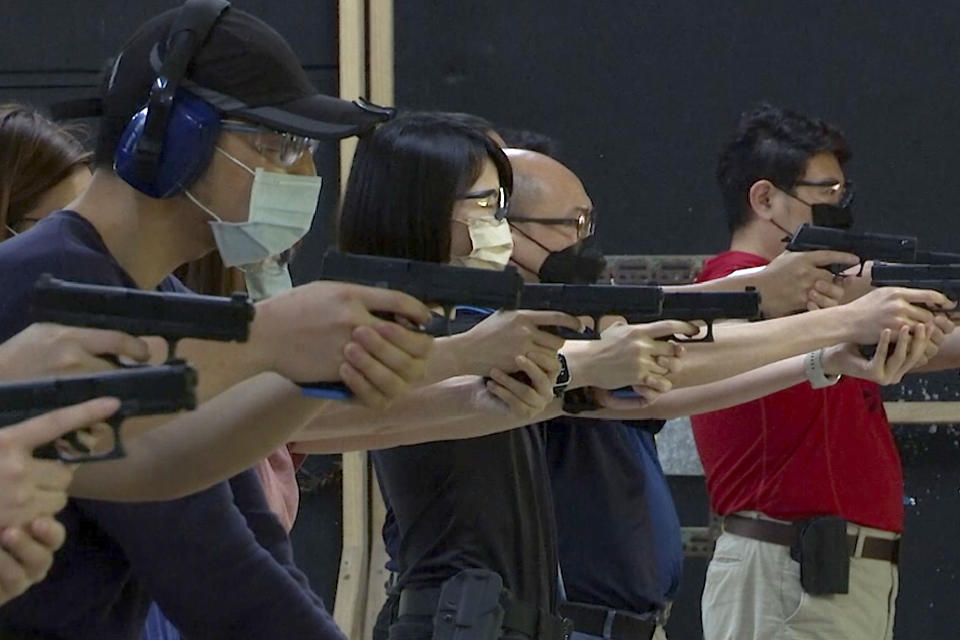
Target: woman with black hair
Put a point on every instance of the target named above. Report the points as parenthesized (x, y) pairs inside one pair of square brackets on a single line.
[(428, 187)]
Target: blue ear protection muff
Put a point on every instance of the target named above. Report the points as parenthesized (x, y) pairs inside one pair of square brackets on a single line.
[(168, 144)]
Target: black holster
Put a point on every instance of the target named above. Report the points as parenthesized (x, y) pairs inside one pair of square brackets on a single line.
[(824, 557), (469, 607)]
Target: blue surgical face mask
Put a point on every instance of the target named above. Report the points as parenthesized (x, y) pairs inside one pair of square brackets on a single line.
[(281, 211)]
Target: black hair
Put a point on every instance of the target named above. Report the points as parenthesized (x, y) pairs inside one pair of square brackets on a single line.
[(467, 119), (531, 141), (405, 179), (772, 144)]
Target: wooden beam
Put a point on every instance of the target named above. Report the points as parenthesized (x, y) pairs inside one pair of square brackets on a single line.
[(922, 412)]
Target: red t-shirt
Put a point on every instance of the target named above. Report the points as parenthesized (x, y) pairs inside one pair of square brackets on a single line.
[(802, 452)]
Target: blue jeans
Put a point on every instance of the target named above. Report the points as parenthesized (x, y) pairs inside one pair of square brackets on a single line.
[(158, 627)]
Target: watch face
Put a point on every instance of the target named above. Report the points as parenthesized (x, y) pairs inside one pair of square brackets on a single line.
[(563, 378)]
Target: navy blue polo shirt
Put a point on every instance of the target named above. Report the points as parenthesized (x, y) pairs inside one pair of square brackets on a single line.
[(618, 531), (217, 562)]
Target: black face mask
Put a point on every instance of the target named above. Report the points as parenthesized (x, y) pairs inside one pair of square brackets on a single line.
[(580, 263), (833, 215)]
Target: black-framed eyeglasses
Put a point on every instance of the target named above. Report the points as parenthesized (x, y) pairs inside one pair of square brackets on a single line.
[(830, 187), (280, 148), (585, 223), (492, 199)]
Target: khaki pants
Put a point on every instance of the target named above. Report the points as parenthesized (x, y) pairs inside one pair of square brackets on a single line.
[(753, 592)]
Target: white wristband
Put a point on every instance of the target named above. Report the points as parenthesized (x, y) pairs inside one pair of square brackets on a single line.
[(813, 369)]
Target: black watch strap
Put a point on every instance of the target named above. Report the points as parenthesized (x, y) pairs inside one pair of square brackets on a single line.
[(579, 400)]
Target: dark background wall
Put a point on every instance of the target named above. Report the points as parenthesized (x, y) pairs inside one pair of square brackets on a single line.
[(642, 94)]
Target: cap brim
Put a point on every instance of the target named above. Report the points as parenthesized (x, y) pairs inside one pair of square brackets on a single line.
[(316, 116)]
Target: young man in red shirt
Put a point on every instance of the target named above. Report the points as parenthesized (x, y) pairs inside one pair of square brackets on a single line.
[(775, 467)]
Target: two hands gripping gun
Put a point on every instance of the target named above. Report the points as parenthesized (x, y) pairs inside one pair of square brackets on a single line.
[(141, 389), (167, 388), (866, 246), (706, 306), (436, 284), (942, 277)]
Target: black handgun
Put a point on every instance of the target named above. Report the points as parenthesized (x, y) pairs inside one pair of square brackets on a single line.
[(440, 284), (936, 257), (143, 313), (944, 278), (866, 246), (709, 306), (146, 390), (633, 302)]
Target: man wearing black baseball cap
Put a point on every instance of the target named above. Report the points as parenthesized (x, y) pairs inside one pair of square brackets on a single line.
[(205, 143), (244, 68)]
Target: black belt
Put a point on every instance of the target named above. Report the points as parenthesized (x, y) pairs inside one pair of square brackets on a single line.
[(518, 616), (604, 622), (785, 534)]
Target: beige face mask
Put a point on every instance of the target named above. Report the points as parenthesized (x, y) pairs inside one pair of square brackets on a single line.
[(492, 244)]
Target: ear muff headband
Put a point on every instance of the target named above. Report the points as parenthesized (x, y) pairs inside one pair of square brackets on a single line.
[(193, 24)]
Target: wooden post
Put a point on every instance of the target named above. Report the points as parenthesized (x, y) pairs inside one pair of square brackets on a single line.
[(377, 573), (381, 52), (380, 47), (350, 604)]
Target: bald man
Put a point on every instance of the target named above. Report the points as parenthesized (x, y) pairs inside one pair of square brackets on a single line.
[(618, 531)]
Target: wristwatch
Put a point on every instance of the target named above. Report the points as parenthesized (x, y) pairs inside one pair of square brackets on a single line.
[(563, 378), (813, 369)]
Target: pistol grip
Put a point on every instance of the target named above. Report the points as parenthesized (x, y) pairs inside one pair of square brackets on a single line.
[(624, 392), (326, 390)]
